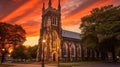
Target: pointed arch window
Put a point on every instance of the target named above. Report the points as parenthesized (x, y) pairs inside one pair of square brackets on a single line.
[(73, 50), (55, 39), (54, 21), (79, 50), (48, 22), (65, 49)]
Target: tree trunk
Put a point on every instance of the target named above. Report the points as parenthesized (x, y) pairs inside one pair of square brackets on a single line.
[(3, 53)]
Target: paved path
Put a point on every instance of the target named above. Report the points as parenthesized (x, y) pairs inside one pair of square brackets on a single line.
[(101, 65), (36, 65)]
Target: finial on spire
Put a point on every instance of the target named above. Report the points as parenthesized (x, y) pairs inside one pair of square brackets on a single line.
[(43, 6), (49, 3), (59, 6)]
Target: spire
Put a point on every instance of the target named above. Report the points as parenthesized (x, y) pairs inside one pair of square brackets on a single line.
[(59, 6), (49, 3), (43, 6)]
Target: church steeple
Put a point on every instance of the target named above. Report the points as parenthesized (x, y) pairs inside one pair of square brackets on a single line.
[(43, 6), (59, 6), (49, 3)]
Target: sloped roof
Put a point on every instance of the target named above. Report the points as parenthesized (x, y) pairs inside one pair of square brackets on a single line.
[(70, 34)]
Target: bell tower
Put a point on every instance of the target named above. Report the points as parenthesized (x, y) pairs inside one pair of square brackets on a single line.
[(51, 32)]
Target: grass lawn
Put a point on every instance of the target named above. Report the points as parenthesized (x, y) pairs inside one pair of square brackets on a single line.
[(69, 63), (5, 65), (79, 63)]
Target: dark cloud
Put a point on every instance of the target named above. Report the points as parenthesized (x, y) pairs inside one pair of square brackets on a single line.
[(28, 12), (8, 6), (78, 5)]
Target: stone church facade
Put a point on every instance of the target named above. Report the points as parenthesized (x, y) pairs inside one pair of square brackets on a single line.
[(59, 44)]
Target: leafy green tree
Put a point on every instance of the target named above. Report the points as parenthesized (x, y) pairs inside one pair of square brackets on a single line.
[(17, 35), (19, 52), (101, 29), (11, 34), (32, 52)]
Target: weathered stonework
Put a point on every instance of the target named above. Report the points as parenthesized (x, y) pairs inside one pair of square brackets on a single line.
[(62, 44)]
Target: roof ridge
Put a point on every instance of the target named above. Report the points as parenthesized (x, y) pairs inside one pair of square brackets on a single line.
[(71, 31), (70, 34)]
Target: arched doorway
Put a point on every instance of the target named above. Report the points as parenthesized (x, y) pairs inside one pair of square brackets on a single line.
[(54, 57)]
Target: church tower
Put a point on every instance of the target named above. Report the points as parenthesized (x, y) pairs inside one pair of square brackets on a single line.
[(50, 32)]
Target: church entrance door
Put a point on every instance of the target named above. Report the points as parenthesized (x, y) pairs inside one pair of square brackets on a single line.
[(54, 57)]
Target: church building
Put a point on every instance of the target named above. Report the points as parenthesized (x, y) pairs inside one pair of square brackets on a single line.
[(56, 43)]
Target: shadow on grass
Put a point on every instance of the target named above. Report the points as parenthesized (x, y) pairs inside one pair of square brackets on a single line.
[(82, 63)]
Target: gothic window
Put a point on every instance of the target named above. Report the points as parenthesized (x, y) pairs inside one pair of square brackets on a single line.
[(79, 50), (48, 22), (73, 50), (55, 39), (54, 21), (65, 49)]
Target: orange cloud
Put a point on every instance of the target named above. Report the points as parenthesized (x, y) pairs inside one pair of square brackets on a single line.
[(32, 27), (29, 13), (76, 16), (19, 11)]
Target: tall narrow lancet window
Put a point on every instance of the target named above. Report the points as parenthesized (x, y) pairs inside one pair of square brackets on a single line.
[(54, 21), (65, 48), (79, 50), (72, 50), (48, 22), (55, 39)]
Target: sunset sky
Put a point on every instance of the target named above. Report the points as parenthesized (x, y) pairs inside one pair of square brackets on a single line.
[(27, 13)]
